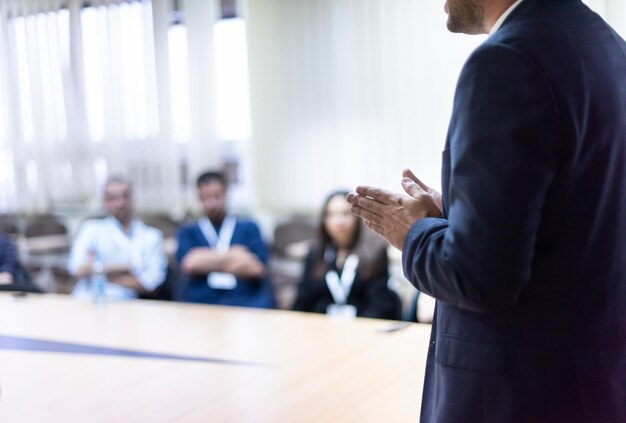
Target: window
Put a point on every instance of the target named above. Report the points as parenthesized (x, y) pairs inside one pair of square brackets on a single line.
[(18, 39), (120, 83), (231, 80), (95, 32), (179, 83), (50, 70)]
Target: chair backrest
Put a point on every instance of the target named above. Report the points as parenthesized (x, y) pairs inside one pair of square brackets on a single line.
[(292, 232), (8, 225), (44, 235), (44, 226)]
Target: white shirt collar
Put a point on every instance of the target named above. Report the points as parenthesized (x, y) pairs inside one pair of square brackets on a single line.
[(501, 19), (133, 228)]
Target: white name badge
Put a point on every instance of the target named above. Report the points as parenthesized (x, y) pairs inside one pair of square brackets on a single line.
[(343, 311), (217, 280)]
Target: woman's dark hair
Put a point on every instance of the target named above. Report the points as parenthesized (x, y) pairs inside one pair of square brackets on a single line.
[(367, 250)]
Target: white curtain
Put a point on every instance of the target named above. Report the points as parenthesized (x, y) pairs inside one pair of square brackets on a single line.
[(348, 92), (34, 58), (85, 92)]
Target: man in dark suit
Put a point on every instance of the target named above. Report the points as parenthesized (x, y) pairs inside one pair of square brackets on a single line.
[(525, 250)]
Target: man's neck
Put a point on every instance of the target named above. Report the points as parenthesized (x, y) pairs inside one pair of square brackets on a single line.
[(125, 223), (217, 221), (493, 10)]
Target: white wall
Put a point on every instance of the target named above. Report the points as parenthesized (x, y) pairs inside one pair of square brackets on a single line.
[(348, 92)]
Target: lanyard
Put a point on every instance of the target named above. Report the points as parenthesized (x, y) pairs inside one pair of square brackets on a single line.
[(221, 242), (340, 287)]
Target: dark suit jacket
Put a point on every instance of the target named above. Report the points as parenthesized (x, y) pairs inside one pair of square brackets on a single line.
[(248, 292), (529, 263)]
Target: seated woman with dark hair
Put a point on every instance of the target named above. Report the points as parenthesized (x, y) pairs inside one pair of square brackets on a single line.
[(346, 270)]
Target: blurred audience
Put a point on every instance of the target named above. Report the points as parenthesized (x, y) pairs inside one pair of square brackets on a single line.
[(8, 260), (126, 251), (223, 259), (13, 276), (346, 271)]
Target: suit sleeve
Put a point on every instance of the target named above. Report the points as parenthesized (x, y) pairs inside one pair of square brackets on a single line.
[(503, 141)]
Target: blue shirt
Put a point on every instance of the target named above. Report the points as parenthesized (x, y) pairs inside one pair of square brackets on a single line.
[(8, 255), (248, 292)]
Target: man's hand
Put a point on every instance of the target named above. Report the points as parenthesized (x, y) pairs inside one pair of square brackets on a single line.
[(86, 270), (240, 262), (407, 173), (391, 215)]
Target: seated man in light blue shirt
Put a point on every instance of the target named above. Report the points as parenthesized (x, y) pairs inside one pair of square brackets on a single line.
[(119, 246)]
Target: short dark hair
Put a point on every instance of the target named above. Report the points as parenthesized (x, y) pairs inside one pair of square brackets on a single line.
[(211, 176)]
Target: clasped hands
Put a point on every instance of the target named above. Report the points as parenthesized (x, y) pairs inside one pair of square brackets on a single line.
[(390, 214)]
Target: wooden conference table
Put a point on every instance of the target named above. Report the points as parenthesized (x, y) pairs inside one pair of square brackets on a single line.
[(146, 361)]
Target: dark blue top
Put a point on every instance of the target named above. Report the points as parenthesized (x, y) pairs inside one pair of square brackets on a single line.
[(248, 292), (8, 256)]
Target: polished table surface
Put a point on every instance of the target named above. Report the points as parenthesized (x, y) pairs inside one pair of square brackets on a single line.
[(146, 361)]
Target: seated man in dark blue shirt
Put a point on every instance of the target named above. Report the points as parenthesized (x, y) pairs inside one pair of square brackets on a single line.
[(13, 277), (223, 259), (8, 260)]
